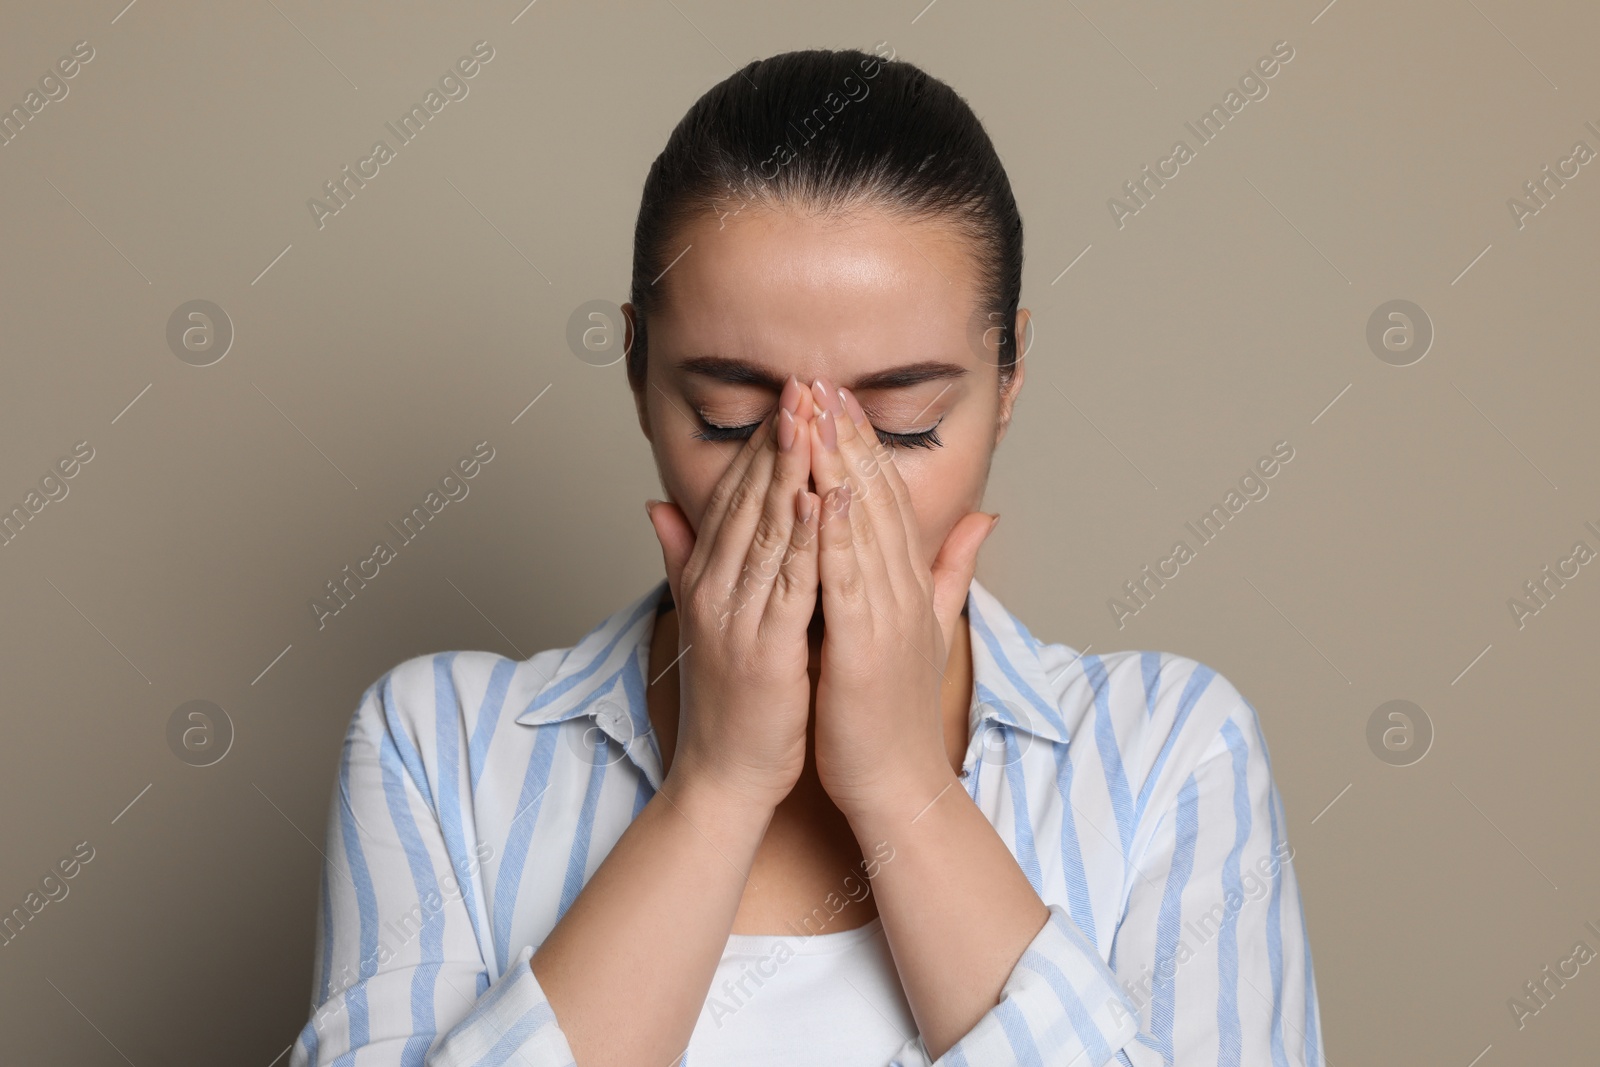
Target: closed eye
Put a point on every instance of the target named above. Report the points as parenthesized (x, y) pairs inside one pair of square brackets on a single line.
[(928, 438)]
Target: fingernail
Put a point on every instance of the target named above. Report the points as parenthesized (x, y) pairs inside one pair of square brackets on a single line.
[(789, 399), (802, 500), (994, 523), (838, 502), (786, 430), (825, 398), (648, 504), (853, 406), (830, 431)]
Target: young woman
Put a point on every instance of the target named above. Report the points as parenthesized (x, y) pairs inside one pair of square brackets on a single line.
[(816, 797)]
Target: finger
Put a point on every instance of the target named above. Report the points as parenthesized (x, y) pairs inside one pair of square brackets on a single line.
[(676, 537), (842, 586), (887, 469), (954, 567), (880, 550), (736, 498), (773, 527), (794, 591)]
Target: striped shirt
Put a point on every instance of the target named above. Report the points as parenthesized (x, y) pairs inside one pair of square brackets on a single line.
[(477, 794)]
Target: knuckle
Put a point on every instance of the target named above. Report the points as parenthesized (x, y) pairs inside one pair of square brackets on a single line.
[(768, 536), (786, 584), (741, 495), (703, 602), (804, 537)]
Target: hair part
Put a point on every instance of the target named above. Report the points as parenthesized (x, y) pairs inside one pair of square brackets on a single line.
[(831, 131)]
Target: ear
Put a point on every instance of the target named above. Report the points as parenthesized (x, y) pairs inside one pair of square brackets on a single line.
[(639, 388), (1008, 396)]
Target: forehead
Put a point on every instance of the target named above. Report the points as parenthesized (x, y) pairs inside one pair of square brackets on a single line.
[(812, 293)]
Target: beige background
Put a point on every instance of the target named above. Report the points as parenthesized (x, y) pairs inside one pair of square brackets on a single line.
[(1227, 315)]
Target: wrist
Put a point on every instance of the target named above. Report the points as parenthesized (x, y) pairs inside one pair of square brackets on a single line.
[(902, 799), (705, 801)]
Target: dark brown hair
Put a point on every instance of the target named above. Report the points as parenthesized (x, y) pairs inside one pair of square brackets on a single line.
[(827, 130)]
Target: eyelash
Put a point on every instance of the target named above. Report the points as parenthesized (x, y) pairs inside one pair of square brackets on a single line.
[(928, 438)]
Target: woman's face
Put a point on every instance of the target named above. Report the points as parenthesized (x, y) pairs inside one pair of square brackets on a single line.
[(883, 306)]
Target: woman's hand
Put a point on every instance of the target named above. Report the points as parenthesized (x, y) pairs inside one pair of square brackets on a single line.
[(745, 588), (889, 620)]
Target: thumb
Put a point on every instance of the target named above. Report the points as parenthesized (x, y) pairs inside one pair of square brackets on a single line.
[(954, 566), (677, 540)]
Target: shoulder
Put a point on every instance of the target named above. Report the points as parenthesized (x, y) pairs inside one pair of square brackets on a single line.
[(1149, 718), (1136, 713), (440, 705), (1144, 694), (455, 685), (445, 708)]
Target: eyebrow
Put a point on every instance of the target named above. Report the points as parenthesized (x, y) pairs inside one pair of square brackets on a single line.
[(742, 372)]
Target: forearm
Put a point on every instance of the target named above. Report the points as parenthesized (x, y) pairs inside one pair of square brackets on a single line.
[(957, 910), (647, 930)]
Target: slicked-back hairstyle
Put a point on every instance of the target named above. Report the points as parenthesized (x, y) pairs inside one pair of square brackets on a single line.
[(831, 130)]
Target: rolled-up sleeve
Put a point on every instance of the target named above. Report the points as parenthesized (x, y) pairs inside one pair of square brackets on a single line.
[(1210, 963), (1061, 1004), (402, 971)]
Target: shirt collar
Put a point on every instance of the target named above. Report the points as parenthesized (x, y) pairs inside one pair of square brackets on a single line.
[(1009, 682), (603, 674)]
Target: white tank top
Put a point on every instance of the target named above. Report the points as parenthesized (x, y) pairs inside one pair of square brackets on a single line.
[(781, 1000)]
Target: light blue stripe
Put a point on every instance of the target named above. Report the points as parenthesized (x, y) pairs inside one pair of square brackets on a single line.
[(1026, 691), (308, 1038), (1083, 1024), (409, 756), (326, 979), (1230, 1040), (578, 856), (1105, 739), (550, 693), (1274, 911), (1150, 665), (448, 724), (494, 699), (1275, 937), (518, 835), (1163, 1000), (1022, 826), (641, 796), (632, 675), (639, 740), (1080, 904), (1018, 1034), (308, 1034), (366, 904), (1199, 681), (431, 947), (988, 698), (1313, 1049), (1027, 635), (530, 1023), (502, 990)]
